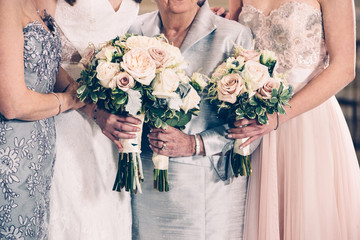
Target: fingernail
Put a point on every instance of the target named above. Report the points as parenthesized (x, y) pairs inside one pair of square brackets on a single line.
[(229, 136), (241, 147), (138, 129)]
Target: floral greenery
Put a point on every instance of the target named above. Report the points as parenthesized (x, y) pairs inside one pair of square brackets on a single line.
[(163, 105), (243, 95)]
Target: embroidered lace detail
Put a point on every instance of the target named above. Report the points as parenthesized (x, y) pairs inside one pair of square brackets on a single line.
[(45, 63), (69, 53), (294, 31)]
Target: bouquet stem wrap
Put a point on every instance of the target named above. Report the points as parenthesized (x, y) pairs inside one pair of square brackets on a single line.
[(130, 172), (161, 165), (241, 159)]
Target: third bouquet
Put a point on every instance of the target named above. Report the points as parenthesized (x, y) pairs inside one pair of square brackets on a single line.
[(247, 85)]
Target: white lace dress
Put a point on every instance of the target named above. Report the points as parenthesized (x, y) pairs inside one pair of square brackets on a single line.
[(83, 205)]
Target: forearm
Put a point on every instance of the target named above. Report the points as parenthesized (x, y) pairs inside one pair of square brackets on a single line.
[(318, 90), (234, 9), (33, 106)]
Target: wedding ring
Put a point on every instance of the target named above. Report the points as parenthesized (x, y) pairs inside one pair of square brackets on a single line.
[(163, 146)]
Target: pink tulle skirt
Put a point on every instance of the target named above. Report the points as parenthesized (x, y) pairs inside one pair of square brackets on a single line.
[(305, 183)]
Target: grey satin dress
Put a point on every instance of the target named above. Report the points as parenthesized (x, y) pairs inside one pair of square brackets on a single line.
[(199, 205)]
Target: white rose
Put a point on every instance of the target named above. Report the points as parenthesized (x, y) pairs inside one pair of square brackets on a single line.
[(265, 91), (176, 59), (200, 79), (107, 53), (142, 42), (165, 84), (138, 63), (106, 71), (229, 87), (123, 81), (255, 75), (247, 54), (191, 100), (160, 56)]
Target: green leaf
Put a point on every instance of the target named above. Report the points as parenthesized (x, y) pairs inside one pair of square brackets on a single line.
[(121, 101), (274, 93), (81, 89), (253, 101), (158, 123), (281, 109), (260, 111), (273, 100), (263, 119), (93, 97), (84, 95)]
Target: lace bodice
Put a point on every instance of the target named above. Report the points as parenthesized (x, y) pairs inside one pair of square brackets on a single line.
[(42, 53), (294, 32)]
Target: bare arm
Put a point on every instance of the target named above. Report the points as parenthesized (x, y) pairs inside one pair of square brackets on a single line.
[(235, 8), (16, 100), (339, 27)]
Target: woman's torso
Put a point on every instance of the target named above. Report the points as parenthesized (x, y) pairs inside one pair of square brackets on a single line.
[(294, 31)]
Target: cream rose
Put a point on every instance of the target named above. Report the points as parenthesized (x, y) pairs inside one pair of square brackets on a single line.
[(255, 75), (87, 56), (123, 81), (248, 54), (229, 87), (142, 42), (106, 53), (138, 63), (265, 91), (165, 84), (106, 71), (160, 56), (199, 79), (191, 100)]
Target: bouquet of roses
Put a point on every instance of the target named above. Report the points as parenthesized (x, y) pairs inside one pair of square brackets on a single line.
[(118, 77), (246, 85), (177, 99)]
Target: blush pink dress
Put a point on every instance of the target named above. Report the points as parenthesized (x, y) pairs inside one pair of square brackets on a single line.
[(306, 179)]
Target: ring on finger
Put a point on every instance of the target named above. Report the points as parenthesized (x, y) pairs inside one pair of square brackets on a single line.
[(163, 146)]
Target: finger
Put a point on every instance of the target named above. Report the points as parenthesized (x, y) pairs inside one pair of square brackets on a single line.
[(249, 141), (220, 11), (244, 122), (227, 15), (129, 119), (158, 136), (123, 135), (114, 140), (157, 144), (126, 127), (247, 129), (243, 135)]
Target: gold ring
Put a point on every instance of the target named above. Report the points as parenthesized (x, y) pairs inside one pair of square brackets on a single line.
[(163, 146)]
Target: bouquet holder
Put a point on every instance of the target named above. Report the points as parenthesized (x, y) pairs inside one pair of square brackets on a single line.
[(130, 172), (161, 165)]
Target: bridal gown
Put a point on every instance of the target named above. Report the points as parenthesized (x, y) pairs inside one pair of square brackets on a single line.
[(306, 178), (83, 205)]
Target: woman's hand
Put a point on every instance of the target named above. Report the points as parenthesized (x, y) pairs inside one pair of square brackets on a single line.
[(117, 127), (71, 96), (251, 129), (220, 11), (171, 142)]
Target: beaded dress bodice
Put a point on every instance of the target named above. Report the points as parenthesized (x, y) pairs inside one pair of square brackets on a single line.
[(294, 31)]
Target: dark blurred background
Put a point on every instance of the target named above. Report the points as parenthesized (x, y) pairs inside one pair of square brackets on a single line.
[(349, 97)]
